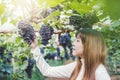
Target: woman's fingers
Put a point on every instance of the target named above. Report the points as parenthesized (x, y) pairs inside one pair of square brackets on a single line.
[(34, 44)]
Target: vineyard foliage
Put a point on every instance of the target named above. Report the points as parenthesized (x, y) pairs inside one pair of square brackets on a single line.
[(66, 16)]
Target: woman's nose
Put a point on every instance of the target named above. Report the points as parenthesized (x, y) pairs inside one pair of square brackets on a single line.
[(73, 43)]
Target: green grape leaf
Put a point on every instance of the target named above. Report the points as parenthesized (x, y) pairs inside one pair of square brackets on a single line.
[(2, 8), (49, 3)]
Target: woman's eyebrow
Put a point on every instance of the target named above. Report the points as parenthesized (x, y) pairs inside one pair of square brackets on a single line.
[(78, 37)]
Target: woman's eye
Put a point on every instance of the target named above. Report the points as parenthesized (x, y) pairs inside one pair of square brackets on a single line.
[(78, 41)]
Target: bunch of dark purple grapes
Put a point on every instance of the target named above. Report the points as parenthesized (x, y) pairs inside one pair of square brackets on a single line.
[(26, 31), (2, 49), (46, 32), (5, 59), (29, 68), (65, 42)]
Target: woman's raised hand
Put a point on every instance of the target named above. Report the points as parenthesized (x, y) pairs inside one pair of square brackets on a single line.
[(34, 44)]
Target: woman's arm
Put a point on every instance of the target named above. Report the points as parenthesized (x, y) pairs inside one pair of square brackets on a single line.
[(63, 71)]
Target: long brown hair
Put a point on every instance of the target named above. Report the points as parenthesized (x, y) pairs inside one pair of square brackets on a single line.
[(94, 53)]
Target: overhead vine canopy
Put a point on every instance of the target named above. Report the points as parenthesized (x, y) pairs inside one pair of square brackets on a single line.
[(17, 9)]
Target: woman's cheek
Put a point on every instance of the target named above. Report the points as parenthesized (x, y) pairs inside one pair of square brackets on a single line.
[(73, 52)]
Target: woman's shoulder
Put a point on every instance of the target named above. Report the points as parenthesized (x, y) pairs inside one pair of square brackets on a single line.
[(101, 68), (101, 73)]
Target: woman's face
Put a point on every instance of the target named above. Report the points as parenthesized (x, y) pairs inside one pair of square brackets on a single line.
[(78, 48)]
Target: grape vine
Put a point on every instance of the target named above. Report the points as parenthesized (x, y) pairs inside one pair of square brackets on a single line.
[(83, 21)]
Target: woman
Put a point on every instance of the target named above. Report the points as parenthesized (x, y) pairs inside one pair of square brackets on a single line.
[(90, 49)]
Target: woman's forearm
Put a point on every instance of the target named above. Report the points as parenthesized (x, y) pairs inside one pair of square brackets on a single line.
[(63, 71)]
